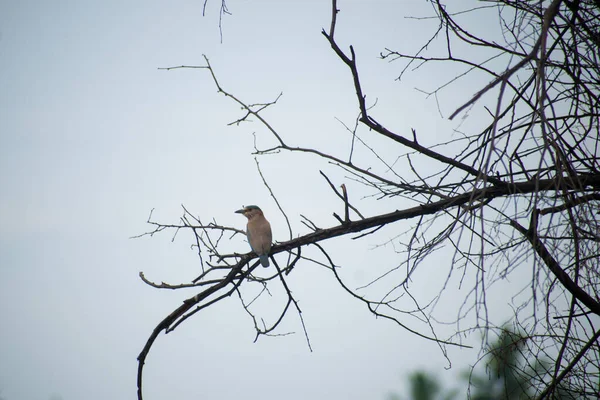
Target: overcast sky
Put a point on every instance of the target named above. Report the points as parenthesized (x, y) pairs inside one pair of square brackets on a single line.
[(93, 136)]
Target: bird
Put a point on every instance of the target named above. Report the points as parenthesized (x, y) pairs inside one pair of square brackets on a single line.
[(258, 231)]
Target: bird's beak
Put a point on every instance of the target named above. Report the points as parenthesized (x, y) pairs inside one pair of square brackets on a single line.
[(240, 211)]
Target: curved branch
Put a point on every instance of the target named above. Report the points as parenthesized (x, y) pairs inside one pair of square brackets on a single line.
[(180, 311), (554, 267)]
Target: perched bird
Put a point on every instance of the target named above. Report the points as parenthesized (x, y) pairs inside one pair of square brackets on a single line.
[(258, 231)]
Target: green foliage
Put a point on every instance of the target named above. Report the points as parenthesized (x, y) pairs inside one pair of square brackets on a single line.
[(508, 375), (423, 386)]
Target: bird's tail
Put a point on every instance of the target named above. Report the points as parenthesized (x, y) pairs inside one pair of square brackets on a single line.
[(264, 260)]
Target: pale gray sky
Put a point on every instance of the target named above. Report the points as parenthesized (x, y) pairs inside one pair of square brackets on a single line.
[(93, 136)]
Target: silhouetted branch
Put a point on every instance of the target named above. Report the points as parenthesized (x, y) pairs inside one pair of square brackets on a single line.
[(532, 152)]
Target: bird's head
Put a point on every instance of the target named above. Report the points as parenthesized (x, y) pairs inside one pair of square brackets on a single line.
[(250, 211)]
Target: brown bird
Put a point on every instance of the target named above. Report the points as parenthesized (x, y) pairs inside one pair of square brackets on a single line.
[(258, 231)]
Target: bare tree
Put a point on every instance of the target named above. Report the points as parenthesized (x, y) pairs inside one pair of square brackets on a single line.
[(522, 191)]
